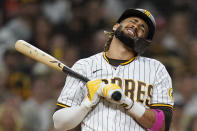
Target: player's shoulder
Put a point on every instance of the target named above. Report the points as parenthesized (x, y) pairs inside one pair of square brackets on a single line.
[(151, 61), (95, 56), (90, 59)]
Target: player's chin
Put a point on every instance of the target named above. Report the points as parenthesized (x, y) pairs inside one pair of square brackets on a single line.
[(130, 37)]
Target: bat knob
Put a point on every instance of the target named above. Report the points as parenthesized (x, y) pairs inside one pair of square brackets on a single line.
[(116, 96)]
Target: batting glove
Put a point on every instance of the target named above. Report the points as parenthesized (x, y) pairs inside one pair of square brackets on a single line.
[(93, 96), (109, 89)]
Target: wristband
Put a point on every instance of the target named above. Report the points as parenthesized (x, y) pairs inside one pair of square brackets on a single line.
[(159, 117), (137, 109)]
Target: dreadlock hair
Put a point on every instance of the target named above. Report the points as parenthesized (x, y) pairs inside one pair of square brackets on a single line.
[(110, 36)]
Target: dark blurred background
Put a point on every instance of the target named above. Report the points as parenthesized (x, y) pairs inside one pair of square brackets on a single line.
[(73, 29)]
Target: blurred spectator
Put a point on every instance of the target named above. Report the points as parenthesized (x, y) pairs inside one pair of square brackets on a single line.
[(42, 33), (12, 8), (37, 110), (1, 18), (56, 83), (192, 124), (10, 60), (193, 10), (57, 10), (58, 45), (177, 119), (179, 37), (186, 91), (10, 119), (40, 69), (191, 58), (75, 26), (98, 42), (115, 7), (18, 81), (173, 63), (19, 27), (19, 84), (71, 56), (95, 17), (4, 93)]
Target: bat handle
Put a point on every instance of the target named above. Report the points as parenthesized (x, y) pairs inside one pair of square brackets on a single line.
[(116, 96), (74, 74)]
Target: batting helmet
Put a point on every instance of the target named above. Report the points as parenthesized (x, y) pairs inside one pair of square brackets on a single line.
[(143, 14)]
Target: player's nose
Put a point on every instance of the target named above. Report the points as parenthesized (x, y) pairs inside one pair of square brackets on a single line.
[(134, 27)]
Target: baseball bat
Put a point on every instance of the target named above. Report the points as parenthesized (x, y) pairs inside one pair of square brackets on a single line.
[(41, 56)]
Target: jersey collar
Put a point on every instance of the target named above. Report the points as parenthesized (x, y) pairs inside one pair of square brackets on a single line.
[(124, 63)]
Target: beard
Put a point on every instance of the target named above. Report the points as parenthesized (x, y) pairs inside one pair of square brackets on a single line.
[(128, 41), (137, 45)]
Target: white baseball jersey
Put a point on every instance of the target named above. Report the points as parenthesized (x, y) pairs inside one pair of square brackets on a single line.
[(144, 80)]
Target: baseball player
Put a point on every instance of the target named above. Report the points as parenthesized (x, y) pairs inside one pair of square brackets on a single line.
[(145, 85)]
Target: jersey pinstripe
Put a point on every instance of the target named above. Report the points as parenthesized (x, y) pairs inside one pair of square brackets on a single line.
[(144, 80)]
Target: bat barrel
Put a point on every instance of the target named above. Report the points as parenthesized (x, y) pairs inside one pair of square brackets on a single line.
[(38, 55)]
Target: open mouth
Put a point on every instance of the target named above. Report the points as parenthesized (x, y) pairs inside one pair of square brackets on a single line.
[(131, 32)]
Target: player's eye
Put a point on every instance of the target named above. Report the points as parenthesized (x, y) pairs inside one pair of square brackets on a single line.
[(134, 21), (142, 29)]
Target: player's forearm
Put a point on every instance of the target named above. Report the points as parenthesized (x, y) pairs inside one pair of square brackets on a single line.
[(148, 118), (68, 118)]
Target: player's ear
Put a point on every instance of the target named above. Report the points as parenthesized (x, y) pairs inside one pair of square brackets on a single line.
[(115, 27)]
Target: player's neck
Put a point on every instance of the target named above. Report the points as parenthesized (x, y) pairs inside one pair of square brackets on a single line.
[(119, 51)]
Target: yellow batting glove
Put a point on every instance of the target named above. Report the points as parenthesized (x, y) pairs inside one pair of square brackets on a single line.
[(92, 97), (93, 87), (109, 89)]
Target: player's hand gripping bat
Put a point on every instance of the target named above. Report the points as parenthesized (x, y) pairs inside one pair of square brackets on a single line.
[(38, 55)]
